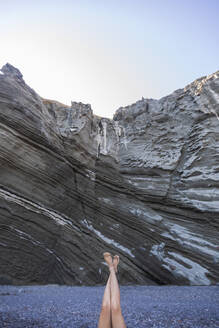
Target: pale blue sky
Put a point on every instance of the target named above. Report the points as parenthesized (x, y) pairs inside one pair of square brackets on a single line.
[(109, 53)]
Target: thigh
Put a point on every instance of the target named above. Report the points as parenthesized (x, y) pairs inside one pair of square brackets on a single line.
[(118, 320)]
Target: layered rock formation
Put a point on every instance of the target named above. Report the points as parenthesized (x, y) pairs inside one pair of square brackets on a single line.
[(144, 185)]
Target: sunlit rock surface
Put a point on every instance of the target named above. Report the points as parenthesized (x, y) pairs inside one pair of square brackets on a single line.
[(144, 185)]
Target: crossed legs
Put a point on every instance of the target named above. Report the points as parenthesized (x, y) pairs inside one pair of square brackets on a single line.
[(111, 314)]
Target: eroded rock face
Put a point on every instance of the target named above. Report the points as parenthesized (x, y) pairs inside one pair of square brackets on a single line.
[(144, 185)]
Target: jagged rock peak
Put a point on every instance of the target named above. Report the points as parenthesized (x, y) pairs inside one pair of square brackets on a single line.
[(81, 109), (206, 86), (12, 71), (197, 85)]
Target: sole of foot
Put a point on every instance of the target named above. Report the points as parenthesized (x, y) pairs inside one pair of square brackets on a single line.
[(108, 259), (116, 262)]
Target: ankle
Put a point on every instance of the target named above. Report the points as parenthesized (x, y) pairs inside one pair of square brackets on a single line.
[(111, 267)]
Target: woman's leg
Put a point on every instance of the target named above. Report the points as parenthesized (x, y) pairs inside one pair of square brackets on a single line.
[(116, 313), (105, 314), (117, 318)]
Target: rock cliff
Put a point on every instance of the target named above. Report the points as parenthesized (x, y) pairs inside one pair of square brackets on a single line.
[(144, 185)]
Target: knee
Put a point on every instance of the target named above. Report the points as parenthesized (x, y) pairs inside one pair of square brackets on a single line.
[(105, 308), (115, 308)]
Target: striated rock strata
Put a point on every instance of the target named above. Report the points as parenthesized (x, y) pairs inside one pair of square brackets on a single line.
[(144, 185)]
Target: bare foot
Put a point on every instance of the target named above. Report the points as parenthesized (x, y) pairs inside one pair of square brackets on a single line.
[(115, 262), (108, 259)]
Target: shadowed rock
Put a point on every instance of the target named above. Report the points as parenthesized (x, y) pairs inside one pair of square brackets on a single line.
[(144, 185)]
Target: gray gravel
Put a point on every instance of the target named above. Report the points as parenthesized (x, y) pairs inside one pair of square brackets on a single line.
[(143, 306)]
